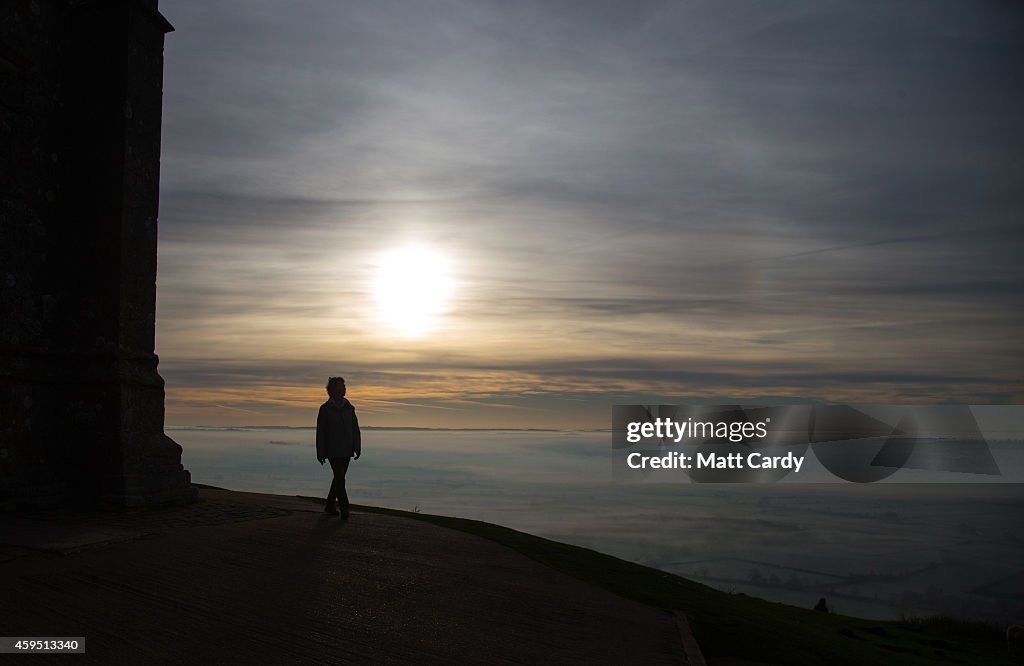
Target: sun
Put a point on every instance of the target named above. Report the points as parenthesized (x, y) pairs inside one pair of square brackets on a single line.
[(412, 288)]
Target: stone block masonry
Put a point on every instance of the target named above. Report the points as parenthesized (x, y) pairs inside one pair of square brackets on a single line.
[(81, 401)]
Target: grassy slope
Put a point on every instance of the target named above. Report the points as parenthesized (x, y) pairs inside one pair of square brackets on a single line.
[(736, 625)]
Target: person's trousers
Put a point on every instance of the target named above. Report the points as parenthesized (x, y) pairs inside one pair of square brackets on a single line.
[(337, 492)]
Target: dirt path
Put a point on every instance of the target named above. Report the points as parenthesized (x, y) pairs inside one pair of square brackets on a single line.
[(260, 578)]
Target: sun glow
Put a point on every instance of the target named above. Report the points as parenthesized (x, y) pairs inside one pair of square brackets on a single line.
[(412, 287)]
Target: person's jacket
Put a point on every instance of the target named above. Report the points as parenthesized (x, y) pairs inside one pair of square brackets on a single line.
[(337, 430)]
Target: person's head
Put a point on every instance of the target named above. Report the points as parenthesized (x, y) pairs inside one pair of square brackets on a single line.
[(336, 387)]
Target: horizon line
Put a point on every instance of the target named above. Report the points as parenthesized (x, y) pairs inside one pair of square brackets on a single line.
[(287, 427)]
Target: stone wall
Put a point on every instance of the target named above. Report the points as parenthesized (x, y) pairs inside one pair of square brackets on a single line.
[(81, 403)]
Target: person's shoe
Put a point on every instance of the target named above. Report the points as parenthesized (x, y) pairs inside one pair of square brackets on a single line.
[(331, 509), (344, 516)]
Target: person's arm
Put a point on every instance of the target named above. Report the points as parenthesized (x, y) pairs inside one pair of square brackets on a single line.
[(357, 438), (321, 436)]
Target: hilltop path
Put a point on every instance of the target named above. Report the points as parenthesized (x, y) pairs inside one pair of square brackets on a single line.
[(267, 578)]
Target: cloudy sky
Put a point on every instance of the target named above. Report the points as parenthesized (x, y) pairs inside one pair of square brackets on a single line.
[(519, 213)]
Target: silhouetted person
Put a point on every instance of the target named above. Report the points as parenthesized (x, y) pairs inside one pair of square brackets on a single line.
[(821, 605), (337, 440)]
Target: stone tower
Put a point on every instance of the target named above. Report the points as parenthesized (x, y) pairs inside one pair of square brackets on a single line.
[(81, 403)]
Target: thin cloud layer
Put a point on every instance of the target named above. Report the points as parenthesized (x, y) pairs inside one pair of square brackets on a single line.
[(639, 200)]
